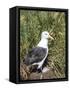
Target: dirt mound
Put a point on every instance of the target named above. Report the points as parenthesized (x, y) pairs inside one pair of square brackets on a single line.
[(26, 74)]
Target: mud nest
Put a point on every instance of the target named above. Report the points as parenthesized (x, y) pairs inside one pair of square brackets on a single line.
[(26, 73)]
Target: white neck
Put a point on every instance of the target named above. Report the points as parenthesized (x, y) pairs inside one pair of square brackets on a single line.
[(43, 43)]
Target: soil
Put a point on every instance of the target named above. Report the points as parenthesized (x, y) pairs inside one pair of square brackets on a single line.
[(27, 74)]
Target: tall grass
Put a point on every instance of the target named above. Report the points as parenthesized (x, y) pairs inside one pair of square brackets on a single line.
[(32, 23)]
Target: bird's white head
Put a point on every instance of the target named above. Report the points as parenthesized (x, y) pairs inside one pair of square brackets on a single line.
[(46, 35)]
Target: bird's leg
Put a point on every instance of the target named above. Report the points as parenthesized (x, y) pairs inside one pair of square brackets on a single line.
[(41, 77)]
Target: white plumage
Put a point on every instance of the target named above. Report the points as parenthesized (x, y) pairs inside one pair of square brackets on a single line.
[(38, 54)]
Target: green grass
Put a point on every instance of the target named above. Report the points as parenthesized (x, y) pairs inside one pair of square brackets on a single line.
[(32, 23)]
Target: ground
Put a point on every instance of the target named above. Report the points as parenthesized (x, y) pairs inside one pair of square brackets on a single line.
[(26, 74)]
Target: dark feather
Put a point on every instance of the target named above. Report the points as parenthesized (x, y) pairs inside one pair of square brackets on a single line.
[(35, 55)]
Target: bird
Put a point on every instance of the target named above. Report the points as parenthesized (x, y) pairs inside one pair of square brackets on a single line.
[(38, 55)]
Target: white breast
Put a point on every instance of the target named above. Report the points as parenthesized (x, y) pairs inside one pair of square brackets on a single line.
[(43, 43)]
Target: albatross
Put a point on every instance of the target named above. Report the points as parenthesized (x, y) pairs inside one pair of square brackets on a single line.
[(38, 54)]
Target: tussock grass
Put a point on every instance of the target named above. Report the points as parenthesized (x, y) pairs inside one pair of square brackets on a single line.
[(32, 23)]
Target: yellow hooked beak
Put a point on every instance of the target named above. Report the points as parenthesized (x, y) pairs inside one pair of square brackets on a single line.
[(51, 37)]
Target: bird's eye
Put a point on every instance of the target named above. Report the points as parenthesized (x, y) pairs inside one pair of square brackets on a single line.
[(45, 33)]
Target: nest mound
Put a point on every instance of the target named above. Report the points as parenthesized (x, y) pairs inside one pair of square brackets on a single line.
[(27, 74)]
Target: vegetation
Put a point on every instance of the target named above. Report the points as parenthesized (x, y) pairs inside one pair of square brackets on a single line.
[(32, 23)]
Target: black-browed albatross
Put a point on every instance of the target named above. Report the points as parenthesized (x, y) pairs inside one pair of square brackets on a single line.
[(38, 54)]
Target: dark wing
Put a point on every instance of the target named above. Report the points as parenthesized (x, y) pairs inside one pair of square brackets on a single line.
[(35, 55)]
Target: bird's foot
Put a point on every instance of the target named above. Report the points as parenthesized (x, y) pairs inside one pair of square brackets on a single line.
[(41, 77)]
